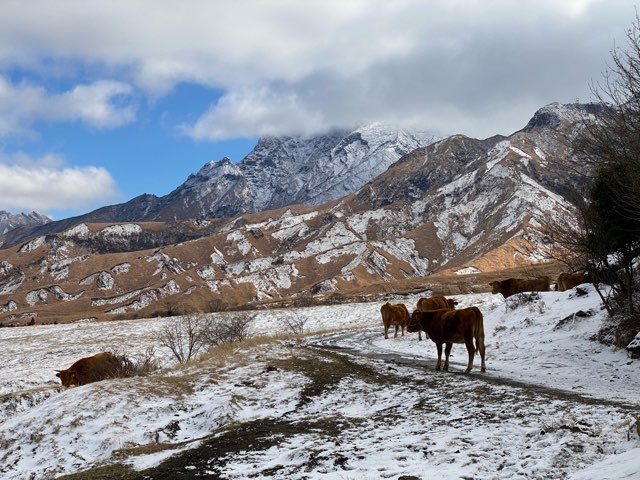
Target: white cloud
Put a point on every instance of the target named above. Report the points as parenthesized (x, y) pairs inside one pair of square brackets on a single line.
[(259, 111), (470, 66), (95, 104), (45, 184)]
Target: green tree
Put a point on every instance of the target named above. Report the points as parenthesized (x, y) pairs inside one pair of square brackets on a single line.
[(610, 147)]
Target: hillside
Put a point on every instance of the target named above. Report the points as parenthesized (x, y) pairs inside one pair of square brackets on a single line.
[(456, 207), (552, 404)]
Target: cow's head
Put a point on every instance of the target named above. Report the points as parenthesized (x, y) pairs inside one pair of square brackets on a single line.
[(495, 287), (414, 322), (67, 377)]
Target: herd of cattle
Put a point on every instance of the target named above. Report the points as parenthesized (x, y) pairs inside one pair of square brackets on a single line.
[(444, 324), (436, 316)]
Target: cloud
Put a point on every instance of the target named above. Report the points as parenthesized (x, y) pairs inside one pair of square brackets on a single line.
[(44, 184), (260, 111), (469, 66), (97, 104)]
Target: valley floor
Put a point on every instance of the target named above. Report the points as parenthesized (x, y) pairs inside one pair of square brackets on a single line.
[(342, 405)]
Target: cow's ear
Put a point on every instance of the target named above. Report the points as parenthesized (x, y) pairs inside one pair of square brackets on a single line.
[(58, 374)]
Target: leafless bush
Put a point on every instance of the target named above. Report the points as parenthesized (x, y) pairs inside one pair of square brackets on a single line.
[(532, 300), (123, 365), (185, 336), (294, 323), (227, 328), (138, 365)]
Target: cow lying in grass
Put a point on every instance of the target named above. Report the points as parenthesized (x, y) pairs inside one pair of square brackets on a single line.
[(396, 315), (91, 369), (451, 326)]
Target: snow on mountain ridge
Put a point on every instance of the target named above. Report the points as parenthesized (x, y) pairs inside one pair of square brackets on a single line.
[(294, 170), (9, 221)]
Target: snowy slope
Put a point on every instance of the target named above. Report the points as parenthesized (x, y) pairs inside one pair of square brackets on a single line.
[(498, 428), (283, 171)]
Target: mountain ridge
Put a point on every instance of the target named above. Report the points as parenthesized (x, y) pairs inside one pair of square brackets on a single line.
[(279, 171), (456, 206)]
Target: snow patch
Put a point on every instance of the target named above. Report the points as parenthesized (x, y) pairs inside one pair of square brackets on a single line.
[(121, 268), (467, 271), (79, 231), (122, 230), (32, 245)]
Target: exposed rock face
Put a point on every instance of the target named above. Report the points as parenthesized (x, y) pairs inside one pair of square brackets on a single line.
[(460, 204), (283, 171)]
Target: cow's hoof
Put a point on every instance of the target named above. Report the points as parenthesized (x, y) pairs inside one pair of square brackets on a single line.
[(483, 370)]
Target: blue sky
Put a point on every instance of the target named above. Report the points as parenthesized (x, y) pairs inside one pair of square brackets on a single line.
[(102, 101)]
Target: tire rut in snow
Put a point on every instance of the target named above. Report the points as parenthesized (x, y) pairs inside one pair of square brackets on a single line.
[(343, 343)]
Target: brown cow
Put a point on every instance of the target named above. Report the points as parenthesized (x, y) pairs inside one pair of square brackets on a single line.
[(567, 281), (90, 369), (434, 303), (512, 286), (449, 327), (394, 314)]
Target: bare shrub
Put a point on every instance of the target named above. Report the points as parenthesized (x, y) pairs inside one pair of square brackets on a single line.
[(185, 336), (228, 328), (138, 365), (532, 300), (294, 323)]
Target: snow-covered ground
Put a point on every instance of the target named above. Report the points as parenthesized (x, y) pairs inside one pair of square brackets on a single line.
[(552, 404)]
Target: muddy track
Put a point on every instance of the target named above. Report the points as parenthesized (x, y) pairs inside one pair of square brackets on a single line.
[(339, 343)]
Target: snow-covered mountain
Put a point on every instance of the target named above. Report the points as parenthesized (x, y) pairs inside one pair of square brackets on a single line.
[(454, 207), (283, 171), (280, 171), (9, 221)]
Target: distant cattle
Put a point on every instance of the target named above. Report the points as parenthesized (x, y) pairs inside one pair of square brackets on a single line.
[(434, 303), (90, 369), (396, 315), (452, 326), (566, 281), (512, 286)]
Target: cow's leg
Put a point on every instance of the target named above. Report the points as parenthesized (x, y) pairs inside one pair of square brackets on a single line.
[(471, 350), (396, 335), (480, 346), (447, 352), (439, 346), (420, 335), (403, 330), (386, 330)]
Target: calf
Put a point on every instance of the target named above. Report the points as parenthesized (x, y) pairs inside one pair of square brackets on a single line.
[(396, 315), (452, 326)]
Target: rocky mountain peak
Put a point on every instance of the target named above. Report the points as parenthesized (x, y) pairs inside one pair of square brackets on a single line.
[(9, 221), (556, 115)]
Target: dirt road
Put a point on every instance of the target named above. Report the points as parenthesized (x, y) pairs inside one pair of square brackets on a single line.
[(367, 413)]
